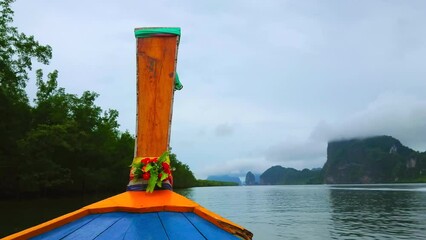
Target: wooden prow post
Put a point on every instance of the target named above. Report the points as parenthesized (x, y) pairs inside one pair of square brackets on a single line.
[(156, 72), (156, 57)]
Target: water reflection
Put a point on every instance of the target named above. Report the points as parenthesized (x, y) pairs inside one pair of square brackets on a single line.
[(378, 212), (186, 192), (321, 211)]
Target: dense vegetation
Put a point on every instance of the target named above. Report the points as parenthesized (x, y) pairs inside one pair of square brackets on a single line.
[(212, 183), (278, 175), (381, 159), (224, 178), (60, 143)]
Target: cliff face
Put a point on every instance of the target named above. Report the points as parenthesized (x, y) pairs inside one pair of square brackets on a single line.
[(250, 179), (380, 159)]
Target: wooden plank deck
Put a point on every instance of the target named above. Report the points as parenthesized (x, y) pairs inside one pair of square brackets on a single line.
[(145, 210), (124, 225)]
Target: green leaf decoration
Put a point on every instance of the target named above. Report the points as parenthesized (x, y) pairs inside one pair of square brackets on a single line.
[(151, 182), (138, 172), (163, 157), (136, 162), (138, 168), (164, 176), (148, 168)]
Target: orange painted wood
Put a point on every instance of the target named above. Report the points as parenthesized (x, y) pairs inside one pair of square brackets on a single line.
[(138, 201), (156, 64)]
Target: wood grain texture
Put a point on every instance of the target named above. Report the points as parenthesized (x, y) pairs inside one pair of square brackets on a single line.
[(65, 230), (130, 202), (156, 64), (178, 227), (208, 229), (143, 226)]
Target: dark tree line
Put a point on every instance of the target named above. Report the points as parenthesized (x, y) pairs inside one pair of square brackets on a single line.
[(62, 143)]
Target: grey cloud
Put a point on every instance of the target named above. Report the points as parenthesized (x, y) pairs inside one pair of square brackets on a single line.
[(224, 130), (238, 167), (290, 151), (401, 116)]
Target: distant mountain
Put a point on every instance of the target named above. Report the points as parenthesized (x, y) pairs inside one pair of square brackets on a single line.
[(224, 178), (278, 175), (250, 179), (381, 159), (257, 178)]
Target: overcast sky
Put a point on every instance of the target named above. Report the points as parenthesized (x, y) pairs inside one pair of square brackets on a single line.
[(265, 82)]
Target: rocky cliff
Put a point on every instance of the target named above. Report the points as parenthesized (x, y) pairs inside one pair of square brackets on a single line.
[(381, 159), (250, 179)]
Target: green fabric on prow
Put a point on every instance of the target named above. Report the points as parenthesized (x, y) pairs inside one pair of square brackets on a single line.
[(178, 84), (147, 32)]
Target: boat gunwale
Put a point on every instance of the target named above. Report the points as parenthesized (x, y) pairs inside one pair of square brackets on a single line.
[(121, 203)]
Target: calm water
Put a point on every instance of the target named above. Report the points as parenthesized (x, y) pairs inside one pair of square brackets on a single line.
[(16, 215), (321, 211), (280, 212)]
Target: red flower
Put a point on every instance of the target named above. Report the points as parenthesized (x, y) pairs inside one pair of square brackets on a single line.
[(145, 161), (160, 175), (166, 167), (132, 176), (146, 176), (154, 160)]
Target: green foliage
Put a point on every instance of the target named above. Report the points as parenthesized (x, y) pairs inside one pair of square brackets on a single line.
[(381, 159), (278, 175), (182, 174), (72, 145), (212, 183), (16, 53), (62, 144), (225, 178)]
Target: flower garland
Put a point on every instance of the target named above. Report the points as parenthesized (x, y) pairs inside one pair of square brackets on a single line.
[(154, 170)]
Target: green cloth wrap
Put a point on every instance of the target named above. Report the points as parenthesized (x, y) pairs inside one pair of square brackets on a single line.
[(148, 32), (178, 84)]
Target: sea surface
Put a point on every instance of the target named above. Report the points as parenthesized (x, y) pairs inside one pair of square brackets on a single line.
[(390, 211), (321, 211)]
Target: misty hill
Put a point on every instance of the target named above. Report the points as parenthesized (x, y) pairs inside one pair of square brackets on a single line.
[(278, 175), (252, 178), (224, 178), (381, 159)]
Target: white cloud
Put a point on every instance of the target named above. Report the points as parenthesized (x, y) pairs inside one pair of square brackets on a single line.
[(238, 167), (399, 115), (297, 154), (223, 130)]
